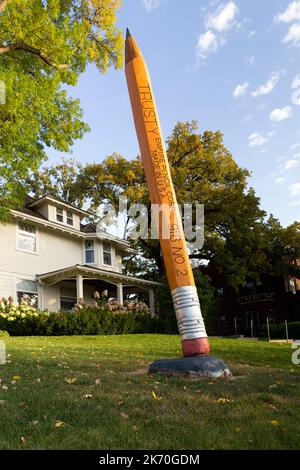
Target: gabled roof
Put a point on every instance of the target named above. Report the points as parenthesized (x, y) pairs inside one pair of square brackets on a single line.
[(89, 272), (26, 211), (37, 202), (88, 228), (86, 231)]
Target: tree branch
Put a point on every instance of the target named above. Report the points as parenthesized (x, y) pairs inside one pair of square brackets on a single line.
[(21, 46), (186, 154)]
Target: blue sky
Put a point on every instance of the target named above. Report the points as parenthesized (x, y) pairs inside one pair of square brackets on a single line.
[(230, 65)]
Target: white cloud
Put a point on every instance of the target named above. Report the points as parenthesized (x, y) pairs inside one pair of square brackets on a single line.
[(251, 34), (293, 35), (292, 13), (207, 43), (217, 24), (295, 146), (151, 4), (296, 97), (294, 189), (224, 17), (289, 164), (296, 82), (241, 90), (257, 139), (280, 114), (297, 155), (280, 180), (267, 87), (251, 60)]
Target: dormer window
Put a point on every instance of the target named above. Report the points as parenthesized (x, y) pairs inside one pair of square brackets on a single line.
[(107, 258), (59, 215), (70, 218), (89, 252)]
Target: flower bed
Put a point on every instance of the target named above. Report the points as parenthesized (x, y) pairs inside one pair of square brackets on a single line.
[(107, 318)]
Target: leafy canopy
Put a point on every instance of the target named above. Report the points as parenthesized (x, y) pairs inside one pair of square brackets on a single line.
[(239, 241), (43, 45)]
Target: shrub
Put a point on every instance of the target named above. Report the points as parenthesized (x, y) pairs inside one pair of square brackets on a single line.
[(3, 333), (278, 331), (25, 320)]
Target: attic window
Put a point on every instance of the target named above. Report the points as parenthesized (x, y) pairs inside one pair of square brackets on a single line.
[(70, 218), (59, 214)]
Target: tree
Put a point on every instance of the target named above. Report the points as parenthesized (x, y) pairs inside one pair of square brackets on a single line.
[(43, 45), (239, 241), (203, 171), (60, 180)]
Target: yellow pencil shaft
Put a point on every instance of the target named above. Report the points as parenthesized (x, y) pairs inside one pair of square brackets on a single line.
[(171, 235), (157, 172)]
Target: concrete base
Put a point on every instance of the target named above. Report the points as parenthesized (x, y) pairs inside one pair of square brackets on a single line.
[(197, 366)]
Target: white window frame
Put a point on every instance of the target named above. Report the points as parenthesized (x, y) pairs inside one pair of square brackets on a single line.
[(28, 292), (93, 250), (70, 216), (107, 252), (59, 215), (36, 236)]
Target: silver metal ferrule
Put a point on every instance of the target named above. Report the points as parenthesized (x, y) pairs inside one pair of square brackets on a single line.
[(188, 313)]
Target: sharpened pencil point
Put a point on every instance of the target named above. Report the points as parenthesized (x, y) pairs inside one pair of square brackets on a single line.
[(128, 35)]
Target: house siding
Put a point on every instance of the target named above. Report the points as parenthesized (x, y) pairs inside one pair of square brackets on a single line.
[(7, 284), (55, 251)]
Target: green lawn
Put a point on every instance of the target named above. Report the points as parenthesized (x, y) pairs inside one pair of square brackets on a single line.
[(94, 393)]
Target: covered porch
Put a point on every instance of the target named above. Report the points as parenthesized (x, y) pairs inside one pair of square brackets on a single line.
[(61, 289)]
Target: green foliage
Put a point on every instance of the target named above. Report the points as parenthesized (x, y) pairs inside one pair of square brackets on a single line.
[(60, 180), (3, 334), (239, 242), (278, 331), (87, 321), (42, 46)]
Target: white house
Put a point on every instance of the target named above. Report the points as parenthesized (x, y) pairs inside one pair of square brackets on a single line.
[(45, 250)]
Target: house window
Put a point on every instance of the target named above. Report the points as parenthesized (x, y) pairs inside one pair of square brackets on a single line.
[(27, 291), (70, 218), (26, 237), (67, 303), (107, 258), (59, 214), (67, 296), (89, 252), (220, 292)]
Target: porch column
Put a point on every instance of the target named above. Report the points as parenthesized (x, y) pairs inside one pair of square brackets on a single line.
[(79, 287), (151, 301), (120, 293)]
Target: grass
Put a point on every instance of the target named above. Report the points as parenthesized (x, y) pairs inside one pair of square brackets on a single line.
[(93, 393)]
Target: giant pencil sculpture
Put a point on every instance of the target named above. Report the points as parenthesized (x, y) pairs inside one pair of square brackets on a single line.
[(157, 171)]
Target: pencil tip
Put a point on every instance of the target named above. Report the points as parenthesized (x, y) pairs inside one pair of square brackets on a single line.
[(128, 35)]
